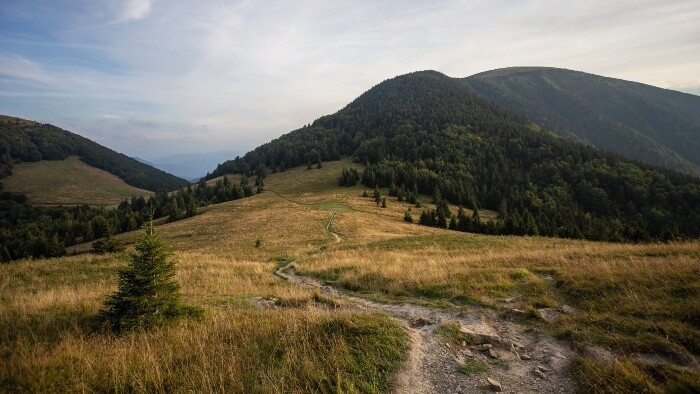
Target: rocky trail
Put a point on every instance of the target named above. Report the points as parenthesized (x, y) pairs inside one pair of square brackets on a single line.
[(484, 353)]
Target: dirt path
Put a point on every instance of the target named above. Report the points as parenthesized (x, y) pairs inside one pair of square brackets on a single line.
[(520, 359), (329, 227)]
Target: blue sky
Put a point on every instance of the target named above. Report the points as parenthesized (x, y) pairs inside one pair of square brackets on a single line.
[(152, 78)]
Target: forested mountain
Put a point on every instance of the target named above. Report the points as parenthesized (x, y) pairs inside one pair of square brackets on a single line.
[(427, 133), (642, 122), (26, 141)]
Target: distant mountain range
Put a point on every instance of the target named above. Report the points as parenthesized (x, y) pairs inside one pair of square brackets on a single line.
[(642, 122), (23, 140), (191, 166)]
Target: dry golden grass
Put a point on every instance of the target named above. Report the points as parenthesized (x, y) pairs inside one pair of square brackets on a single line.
[(51, 339), (630, 298), (69, 182)]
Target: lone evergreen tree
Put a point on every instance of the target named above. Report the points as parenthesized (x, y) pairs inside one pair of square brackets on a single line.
[(148, 294)]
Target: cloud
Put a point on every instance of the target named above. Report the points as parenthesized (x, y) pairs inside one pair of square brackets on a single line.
[(136, 9), (18, 67), (251, 70), (132, 10)]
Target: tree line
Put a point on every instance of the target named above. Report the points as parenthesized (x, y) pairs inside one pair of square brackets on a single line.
[(44, 231)]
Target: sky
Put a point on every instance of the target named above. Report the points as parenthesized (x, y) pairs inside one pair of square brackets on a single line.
[(150, 78)]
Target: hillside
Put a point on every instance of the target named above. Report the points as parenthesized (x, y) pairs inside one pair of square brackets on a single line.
[(26, 141), (463, 307), (68, 182), (426, 133), (642, 122)]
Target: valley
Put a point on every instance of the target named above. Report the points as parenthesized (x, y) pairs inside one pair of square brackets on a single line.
[(444, 197), (371, 298)]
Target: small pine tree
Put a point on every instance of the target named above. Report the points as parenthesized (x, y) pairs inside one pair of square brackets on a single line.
[(364, 194), (147, 294), (383, 202), (108, 244), (407, 217)]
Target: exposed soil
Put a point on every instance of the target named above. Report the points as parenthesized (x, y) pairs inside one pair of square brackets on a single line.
[(521, 359)]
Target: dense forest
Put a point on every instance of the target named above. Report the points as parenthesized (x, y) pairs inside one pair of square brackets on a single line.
[(26, 141), (430, 134), (642, 122), (40, 231)]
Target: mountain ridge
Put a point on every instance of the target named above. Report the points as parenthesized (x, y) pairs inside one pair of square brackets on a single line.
[(640, 121), (23, 140), (428, 133)]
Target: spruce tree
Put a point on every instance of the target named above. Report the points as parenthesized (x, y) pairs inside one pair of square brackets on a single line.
[(147, 294)]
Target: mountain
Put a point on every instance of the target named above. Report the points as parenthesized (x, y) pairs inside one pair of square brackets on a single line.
[(431, 134), (192, 166), (27, 141), (642, 122)]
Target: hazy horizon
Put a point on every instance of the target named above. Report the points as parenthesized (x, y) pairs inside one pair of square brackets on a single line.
[(155, 78)]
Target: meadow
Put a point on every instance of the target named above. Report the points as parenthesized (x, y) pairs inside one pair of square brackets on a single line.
[(634, 321), (69, 182)]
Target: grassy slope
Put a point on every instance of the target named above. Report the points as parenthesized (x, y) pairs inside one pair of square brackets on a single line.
[(630, 299), (69, 182)]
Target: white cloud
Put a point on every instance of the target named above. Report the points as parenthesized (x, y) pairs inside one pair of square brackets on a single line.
[(15, 66), (133, 10), (250, 70)]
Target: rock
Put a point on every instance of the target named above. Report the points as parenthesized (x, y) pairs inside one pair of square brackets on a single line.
[(486, 346), (550, 315), (494, 385), (492, 353), (478, 336), (421, 322), (447, 344), (540, 374), (329, 290), (567, 309), (542, 368), (467, 353), (514, 312), (525, 356), (464, 343)]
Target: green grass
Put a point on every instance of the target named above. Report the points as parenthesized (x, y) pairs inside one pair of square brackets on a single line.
[(472, 367), (68, 182), (450, 332)]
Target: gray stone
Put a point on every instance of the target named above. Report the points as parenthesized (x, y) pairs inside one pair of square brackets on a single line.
[(567, 309), (421, 322), (494, 385)]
